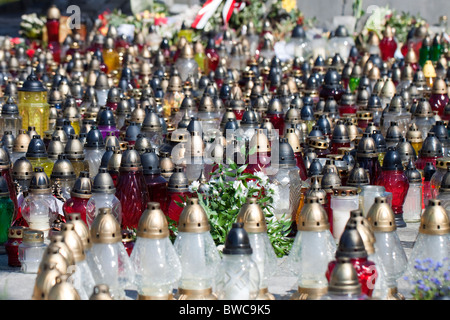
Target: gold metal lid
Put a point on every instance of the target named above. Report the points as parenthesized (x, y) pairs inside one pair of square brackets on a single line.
[(153, 223), (33, 236), (63, 289), (16, 232), (381, 216), (439, 87), (252, 216), (193, 218), (57, 241), (414, 135), (411, 56), (313, 216), (105, 228), (21, 142), (293, 139), (260, 141), (344, 279), (81, 229), (73, 241), (101, 292), (53, 13), (45, 280), (365, 230), (434, 220), (53, 255), (345, 191)]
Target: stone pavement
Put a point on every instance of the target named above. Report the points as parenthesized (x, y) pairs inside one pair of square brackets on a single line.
[(15, 285)]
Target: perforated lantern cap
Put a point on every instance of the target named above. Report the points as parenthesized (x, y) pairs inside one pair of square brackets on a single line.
[(153, 223), (193, 218), (105, 228)]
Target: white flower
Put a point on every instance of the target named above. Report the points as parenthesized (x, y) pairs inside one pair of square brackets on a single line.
[(261, 175), (194, 186), (237, 184)]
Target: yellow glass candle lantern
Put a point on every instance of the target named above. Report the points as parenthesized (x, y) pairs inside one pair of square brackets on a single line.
[(33, 106)]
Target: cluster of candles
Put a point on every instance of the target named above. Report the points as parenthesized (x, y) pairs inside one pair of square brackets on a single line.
[(103, 135)]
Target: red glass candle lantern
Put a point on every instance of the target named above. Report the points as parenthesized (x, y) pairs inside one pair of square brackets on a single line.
[(131, 189), (388, 45), (79, 196), (394, 180), (178, 191), (439, 97), (157, 185), (52, 25)]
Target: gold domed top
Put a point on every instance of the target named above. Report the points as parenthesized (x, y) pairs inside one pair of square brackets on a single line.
[(434, 220), (260, 141), (365, 230), (193, 218), (22, 169), (153, 223), (73, 241), (187, 52), (21, 142), (101, 292), (414, 135), (344, 279), (388, 89), (45, 280), (81, 229), (105, 228), (53, 13), (252, 216), (63, 290), (52, 255), (293, 139), (57, 241), (439, 87), (313, 216), (411, 57), (381, 216)]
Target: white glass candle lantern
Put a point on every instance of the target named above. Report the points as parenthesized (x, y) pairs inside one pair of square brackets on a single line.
[(107, 247), (387, 245), (197, 252), (40, 208), (31, 250), (81, 275), (155, 260), (432, 243), (254, 222), (412, 208), (238, 276), (344, 200), (313, 249)]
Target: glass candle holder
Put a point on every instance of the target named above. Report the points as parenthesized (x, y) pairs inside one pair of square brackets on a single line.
[(31, 250), (343, 200)]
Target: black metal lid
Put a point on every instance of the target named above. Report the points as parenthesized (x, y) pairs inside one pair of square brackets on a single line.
[(32, 84), (36, 148), (106, 117), (428, 171), (237, 241), (315, 168), (351, 244), (150, 162), (392, 160), (94, 139), (307, 112), (132, 132), (10, 107)]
